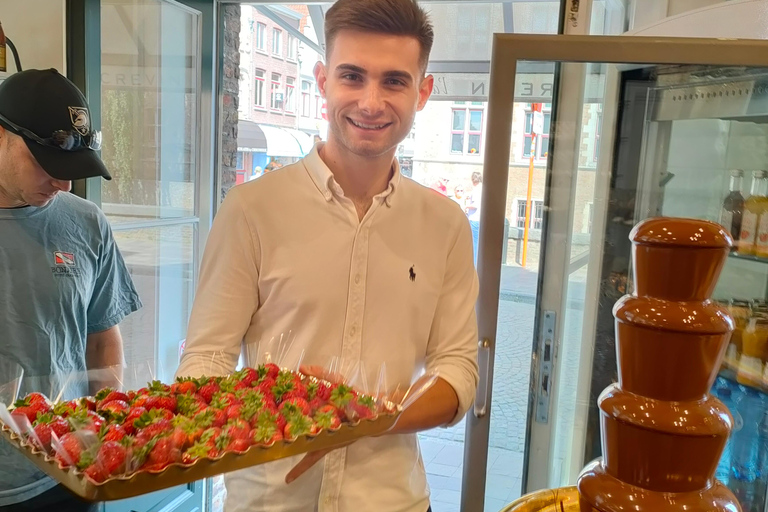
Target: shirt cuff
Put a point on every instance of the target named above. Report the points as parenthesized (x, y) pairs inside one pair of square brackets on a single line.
[(464, 383)]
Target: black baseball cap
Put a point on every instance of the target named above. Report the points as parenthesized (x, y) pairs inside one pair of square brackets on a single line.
[(51, 115)]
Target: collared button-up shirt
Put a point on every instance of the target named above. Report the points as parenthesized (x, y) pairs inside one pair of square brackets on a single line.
[(288, 256)]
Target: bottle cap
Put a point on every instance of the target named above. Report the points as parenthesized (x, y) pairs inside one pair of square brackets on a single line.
[(737, 173)]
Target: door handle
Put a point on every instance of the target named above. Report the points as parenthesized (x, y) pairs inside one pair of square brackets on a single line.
[(484, 365)]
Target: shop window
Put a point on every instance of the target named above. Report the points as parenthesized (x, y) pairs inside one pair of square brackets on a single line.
[(277, 42), (542, 139), (276, 100), (261, 37), (258, 88), (537, 214), (306, 98), (466, 130), (290, 95), (292, 47)]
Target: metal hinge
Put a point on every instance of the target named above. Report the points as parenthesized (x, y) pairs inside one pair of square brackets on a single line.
[(545, 356)]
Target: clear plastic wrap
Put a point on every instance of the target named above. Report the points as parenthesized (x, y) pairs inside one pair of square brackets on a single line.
[(121, 443)]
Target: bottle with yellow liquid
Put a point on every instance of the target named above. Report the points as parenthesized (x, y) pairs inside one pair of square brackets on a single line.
[(754, 343), (741, 311), (3, 54), (755, 206), (761, 237)]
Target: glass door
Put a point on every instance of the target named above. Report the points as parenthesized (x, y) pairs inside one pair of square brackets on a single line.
[(629, 117), (152, 117), (276, 96)]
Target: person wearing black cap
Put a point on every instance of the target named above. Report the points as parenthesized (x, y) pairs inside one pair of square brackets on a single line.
[(64, 286)]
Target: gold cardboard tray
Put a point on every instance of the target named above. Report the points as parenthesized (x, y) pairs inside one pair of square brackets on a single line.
[(144, 482), (564, 499)]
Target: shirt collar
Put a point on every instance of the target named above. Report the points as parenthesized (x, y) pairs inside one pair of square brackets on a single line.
[(323, 177)]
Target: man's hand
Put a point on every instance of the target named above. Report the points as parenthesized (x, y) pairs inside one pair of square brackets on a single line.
[(312, 458), (309, 460), (436, 406)]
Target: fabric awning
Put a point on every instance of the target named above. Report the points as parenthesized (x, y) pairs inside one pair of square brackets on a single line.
[(272, 140), (280, 142), (306, 141), (250, 138)]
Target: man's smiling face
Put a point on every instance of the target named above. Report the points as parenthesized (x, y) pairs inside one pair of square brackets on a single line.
[(373, 85)]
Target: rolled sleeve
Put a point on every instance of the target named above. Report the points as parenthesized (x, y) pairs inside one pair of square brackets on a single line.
[(452, 345), (227, 295)]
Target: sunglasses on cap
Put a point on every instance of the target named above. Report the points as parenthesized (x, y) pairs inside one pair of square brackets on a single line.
[(66, 140)]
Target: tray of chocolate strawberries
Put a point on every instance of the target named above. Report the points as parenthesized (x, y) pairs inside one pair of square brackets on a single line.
[(123, 443)]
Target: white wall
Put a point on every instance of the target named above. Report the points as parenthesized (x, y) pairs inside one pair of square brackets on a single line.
[(743, 19), (37, 28), (680, 6)]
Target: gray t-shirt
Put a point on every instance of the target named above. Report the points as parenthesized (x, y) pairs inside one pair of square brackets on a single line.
[(61, 278)]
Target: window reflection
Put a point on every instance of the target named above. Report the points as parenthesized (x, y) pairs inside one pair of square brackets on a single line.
[(149, 110)]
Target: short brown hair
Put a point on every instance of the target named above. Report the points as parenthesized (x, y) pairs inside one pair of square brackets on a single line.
[(394, 17)]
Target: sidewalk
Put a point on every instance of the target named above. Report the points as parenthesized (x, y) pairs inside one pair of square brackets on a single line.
[(443, 449)]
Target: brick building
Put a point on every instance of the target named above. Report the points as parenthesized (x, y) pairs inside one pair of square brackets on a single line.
[(270, 90)]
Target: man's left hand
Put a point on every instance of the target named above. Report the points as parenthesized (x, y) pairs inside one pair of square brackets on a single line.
[(309, 460)]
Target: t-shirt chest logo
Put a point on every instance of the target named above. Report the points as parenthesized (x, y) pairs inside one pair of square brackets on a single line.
[(65, 265), (64, 258)]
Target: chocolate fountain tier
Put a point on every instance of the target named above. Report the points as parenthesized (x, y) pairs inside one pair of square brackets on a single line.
[(662, 433), (601, 492), (678, 259), (660, 445), (669, 350)]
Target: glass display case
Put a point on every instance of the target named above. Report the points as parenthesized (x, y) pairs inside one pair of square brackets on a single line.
[(641, 127), (703, 153)]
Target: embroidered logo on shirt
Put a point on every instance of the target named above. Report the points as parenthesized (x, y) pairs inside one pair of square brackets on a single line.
[(65, 265), (64, 258), (412, 274)]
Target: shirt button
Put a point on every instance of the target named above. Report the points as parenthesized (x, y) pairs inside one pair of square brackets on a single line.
[(357, 279)]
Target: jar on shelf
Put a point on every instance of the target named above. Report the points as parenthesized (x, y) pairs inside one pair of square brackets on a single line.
[(754, 344), (741, 311)]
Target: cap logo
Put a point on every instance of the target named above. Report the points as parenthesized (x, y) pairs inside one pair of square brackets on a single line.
[(80, 121)]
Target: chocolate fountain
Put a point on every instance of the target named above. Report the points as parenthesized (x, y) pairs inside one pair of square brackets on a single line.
[(662, 432)]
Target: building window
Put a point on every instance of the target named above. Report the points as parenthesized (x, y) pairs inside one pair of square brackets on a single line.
[(542, 139), (292, 43), (290, 97), (306, 98), (598, 128), (261, 37), (466, 130), (258, 88), (537, 214), (276, 101), (239, 160), (277, 42)]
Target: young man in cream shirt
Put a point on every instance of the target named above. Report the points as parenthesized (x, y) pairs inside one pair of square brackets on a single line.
[(357, 262)]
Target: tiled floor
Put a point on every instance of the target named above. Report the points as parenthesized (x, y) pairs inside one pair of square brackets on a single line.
[(443, 461)]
